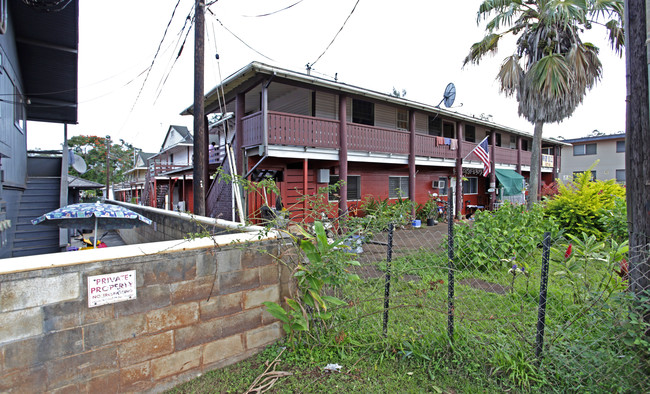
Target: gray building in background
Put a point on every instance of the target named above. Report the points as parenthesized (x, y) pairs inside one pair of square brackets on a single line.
[(607, 150)]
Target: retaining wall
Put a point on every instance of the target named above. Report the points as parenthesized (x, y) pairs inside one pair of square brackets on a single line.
[(198, 307)]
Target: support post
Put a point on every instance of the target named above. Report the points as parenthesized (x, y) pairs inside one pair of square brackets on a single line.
[(305, 184), (412, 159), (343, 154), (200, 148), (459, 170), (543, 288), (493, 175)]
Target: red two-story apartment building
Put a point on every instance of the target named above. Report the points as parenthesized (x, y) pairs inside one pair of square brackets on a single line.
[(308, 132)]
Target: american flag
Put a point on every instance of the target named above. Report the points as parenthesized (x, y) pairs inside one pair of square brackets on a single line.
[(483, 153)]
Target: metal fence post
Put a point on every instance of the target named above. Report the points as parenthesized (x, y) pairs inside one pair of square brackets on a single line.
[(389, 258), (451, 265), (543, 287)]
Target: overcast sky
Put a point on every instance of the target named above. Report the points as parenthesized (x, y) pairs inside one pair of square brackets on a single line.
[(415, 45)]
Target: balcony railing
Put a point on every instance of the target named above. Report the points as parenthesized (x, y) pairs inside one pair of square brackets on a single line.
[(306, 131)]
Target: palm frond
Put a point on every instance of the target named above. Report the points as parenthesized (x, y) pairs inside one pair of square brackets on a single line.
[(563, 11), (616, 36), (510, 75), (551, 77), (497, 6), (489, 44), (585, 65), (606, 9)]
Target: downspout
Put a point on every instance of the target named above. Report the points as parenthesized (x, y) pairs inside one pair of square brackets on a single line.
[(305, 170)]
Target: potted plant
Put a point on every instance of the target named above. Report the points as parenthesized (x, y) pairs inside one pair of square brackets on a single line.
[(430, 208)]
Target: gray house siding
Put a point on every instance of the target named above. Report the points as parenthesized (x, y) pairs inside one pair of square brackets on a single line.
[(13, 142)]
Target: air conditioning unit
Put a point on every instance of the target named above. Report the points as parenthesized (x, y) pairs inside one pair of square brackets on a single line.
[(323, 175), (438, 184)]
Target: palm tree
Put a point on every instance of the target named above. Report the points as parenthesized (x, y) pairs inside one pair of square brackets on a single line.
[(551, 68)]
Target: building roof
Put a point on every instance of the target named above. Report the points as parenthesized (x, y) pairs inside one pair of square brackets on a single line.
[(255, 72), (47, 44), (616, 136), (83, 184)]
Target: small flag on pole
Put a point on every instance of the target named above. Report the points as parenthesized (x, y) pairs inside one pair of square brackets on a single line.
[(483, 153)]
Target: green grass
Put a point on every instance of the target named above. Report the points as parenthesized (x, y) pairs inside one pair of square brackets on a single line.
[(362, 373), (493, 345)]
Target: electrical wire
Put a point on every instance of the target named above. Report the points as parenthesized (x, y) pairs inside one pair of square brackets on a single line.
[(273, 12), (337, 33), (240, 40), (155, 56)]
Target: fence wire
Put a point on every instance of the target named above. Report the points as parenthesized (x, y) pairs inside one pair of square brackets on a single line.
[(447, 295)]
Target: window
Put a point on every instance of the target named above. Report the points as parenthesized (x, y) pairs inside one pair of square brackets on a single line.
[(443, 190), (171, 158), (448, 130), (402, 119), (525, 144), (19, 109), (620, 146), (363, 112), (498, 139), (470, 133), (585, 149), (513, 142), (398, 186), (354, 187), (547, 151), (435, 126), (577, 173), (620, 176), (470, 186)]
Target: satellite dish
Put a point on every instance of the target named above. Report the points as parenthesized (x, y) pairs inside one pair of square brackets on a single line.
[(79, 164), (450, 95)]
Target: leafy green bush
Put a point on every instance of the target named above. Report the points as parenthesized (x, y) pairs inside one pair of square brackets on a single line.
[(614, 221), (495, 238), (580, 205)]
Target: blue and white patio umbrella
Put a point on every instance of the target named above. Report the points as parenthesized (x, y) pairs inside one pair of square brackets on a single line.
[(106, 216)]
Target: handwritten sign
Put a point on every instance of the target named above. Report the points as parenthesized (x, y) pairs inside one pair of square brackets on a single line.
[(111, 288)]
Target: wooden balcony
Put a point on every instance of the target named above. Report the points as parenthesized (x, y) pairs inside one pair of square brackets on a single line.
[(297, 130), (306, 131), (157, 168)]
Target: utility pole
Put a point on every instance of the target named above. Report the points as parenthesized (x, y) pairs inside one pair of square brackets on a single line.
[(200, 148), (108, 164)]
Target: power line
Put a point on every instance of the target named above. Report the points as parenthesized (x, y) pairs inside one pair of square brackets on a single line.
[(336, 35), (273, 12), (240, 40), (155, 55)]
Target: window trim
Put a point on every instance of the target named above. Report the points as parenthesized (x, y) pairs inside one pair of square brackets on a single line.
[(469, 183), (338, 177), (470, 137), (20, 113), (584, 149), (362, 119), (402, 124), (617, 178), (402, 193)]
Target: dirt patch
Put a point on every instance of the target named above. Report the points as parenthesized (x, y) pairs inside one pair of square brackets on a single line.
[(486, 286)]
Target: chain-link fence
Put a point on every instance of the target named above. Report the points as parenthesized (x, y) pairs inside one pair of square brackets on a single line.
[(522, 303)]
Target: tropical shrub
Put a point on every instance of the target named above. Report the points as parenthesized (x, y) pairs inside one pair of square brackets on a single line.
[(496, 238), (614, 221), (581, 204)]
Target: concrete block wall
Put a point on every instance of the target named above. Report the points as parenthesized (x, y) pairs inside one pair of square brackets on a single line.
[(197, 309), (169, 225)]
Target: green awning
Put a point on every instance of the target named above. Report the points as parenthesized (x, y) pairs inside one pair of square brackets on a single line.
[(511, 182)]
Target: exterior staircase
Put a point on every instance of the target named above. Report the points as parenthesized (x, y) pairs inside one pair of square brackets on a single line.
[(41, 196), (161, 192)]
